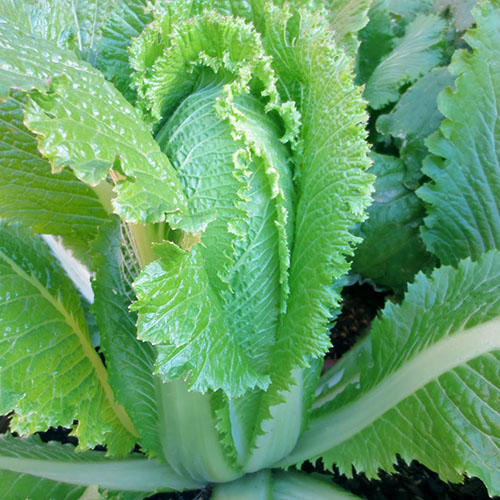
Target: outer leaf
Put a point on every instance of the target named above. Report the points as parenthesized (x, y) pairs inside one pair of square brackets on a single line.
[(83, 121), (430, 388), (72, 24), (347, 18), (414, 55), (464, 197), (49, 368), (30, 469), (392, 251), (127, 21), (31, 194), (377, 39), (129, 362), (414, 117)]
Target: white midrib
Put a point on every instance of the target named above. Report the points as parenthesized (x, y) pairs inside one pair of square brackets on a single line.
[(330, 430), (84, 340), (124, 475)]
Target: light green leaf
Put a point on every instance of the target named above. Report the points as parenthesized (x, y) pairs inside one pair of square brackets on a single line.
[(329, 152), (47, 357), (415, 54), (392, 251), (347, 18), (464, 195), (429, 386), (49, 203), (84, 122), (71, 24), (321, 225), (30, 469), (187, 416), (230, 157), (180, 312)]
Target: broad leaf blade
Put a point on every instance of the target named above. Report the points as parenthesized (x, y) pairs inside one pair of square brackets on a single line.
[(414, 55), (84, 122), (392, 251), (71, 24), (126, 21), (48, 360), (434, 365), (464, 195), (49, 203)]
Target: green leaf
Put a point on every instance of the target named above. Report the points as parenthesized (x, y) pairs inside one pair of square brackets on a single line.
[(129, 362), (180, 311), (71, 24), (416, 114), (377, 39), (127, 21), (49, 203), (347, 18), (464, 195), (415, 54), (47, 356), (328, 153), (434, 363), (460, 9), (84, 122), (392, 251), (30, 469), (414, 117), (229, 153)]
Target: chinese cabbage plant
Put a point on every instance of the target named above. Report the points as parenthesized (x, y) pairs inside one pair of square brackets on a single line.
[(206, 163)]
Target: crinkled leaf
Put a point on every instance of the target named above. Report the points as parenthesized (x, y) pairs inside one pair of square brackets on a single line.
[(392, 251), (47, 358), (29, 193), (464, 195), (415, 54), (83, 121), (234, 169), (429, 387)]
